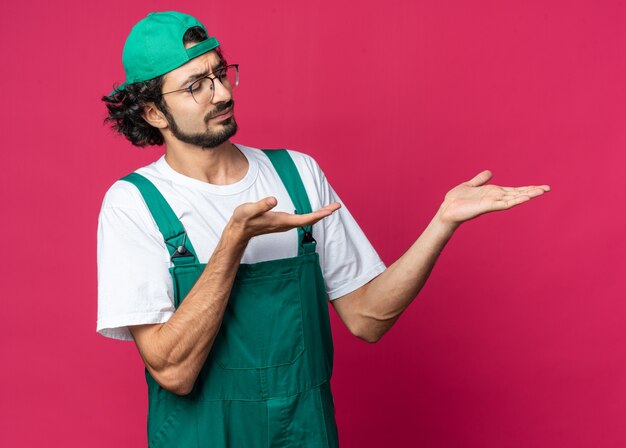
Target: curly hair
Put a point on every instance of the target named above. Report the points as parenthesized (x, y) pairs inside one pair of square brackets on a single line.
[(126, 106)]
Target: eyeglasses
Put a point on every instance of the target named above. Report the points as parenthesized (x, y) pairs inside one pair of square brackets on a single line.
[(202, 89)]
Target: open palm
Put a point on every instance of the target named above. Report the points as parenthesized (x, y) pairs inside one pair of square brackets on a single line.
[(473, 198)]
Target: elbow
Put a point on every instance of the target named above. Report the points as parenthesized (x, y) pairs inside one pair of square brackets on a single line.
[(370, 338), (367, 332), (180, 389), (372, 328), (174, 381)]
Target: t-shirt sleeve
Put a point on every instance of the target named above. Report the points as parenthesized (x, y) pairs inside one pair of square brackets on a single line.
[(134, 284), (347, 258)]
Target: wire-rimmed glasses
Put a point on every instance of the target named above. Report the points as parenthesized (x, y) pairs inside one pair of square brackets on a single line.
[(202, 89)]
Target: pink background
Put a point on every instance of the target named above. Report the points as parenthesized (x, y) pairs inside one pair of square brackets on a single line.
[(517, 340)]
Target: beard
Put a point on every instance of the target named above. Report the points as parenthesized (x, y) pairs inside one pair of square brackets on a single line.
[(211, 137)]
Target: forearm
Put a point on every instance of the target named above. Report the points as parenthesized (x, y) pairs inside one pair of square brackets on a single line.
[(176, 350), (373, 308), (388, 295)]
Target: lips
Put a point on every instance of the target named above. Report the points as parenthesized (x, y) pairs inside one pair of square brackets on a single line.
[(227, 113)]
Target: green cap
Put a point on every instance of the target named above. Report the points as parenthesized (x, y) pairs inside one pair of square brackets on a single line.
[(155, 46)]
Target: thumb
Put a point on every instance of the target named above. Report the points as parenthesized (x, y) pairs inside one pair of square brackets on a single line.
[(480, 179), (264, 205)]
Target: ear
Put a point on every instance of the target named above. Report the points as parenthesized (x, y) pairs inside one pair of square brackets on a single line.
[(154, 116)]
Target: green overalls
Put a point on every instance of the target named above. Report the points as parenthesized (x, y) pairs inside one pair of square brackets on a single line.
[(266, 382)]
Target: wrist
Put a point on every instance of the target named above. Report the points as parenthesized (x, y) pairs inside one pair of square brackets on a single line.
[(234, 235), (442, 221)]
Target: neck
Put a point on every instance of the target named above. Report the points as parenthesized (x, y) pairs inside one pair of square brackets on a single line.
[(221, 165)]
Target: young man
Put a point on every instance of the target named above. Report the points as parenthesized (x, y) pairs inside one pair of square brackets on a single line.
[(218, 259)]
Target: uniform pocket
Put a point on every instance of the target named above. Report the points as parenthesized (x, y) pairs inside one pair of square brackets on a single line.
[(262, 324)]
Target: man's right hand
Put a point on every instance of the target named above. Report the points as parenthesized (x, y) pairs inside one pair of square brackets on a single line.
[(256, 218)]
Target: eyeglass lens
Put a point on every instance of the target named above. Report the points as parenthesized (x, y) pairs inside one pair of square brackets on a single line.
[(202, 89)]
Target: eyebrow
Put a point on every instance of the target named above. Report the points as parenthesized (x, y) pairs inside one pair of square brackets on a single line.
[(195, 76)]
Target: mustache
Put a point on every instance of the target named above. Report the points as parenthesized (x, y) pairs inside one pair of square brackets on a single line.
[(221, 107)]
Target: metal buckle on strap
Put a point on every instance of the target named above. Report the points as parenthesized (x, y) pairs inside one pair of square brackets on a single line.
[(181, 251), (308, 237)]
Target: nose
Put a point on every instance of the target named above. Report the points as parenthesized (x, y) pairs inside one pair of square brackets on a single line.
[(221, 93)]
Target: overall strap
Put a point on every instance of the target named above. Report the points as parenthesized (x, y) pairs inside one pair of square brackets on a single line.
[(286, 168), (180, 248)]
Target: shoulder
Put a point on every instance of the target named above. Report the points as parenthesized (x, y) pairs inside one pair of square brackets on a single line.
[(123, 205), (305, 162), (124, 216), (302, 160), (307, 166), (122, 194)]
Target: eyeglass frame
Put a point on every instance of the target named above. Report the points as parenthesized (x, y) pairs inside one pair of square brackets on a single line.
[(208, 76)]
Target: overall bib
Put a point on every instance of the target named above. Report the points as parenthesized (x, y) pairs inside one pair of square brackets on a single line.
[(266, 382)]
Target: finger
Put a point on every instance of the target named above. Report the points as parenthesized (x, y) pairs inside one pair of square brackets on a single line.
[(517, 200), (480, 179), (532, 192), (264, 205), (526, 188), (288, 220), (544, 188), (317, 215), (506, 203), (536, 191), (331, 207)]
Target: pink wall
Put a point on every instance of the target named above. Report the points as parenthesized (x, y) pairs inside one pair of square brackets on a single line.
[(518, 339)]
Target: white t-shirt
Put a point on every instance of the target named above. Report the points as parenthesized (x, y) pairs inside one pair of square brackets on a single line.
[(134, 283)]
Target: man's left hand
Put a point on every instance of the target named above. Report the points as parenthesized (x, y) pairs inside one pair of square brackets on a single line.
[(473, 198)]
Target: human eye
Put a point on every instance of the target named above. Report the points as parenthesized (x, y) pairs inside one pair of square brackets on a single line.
[(221, 72), (198, 85)]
